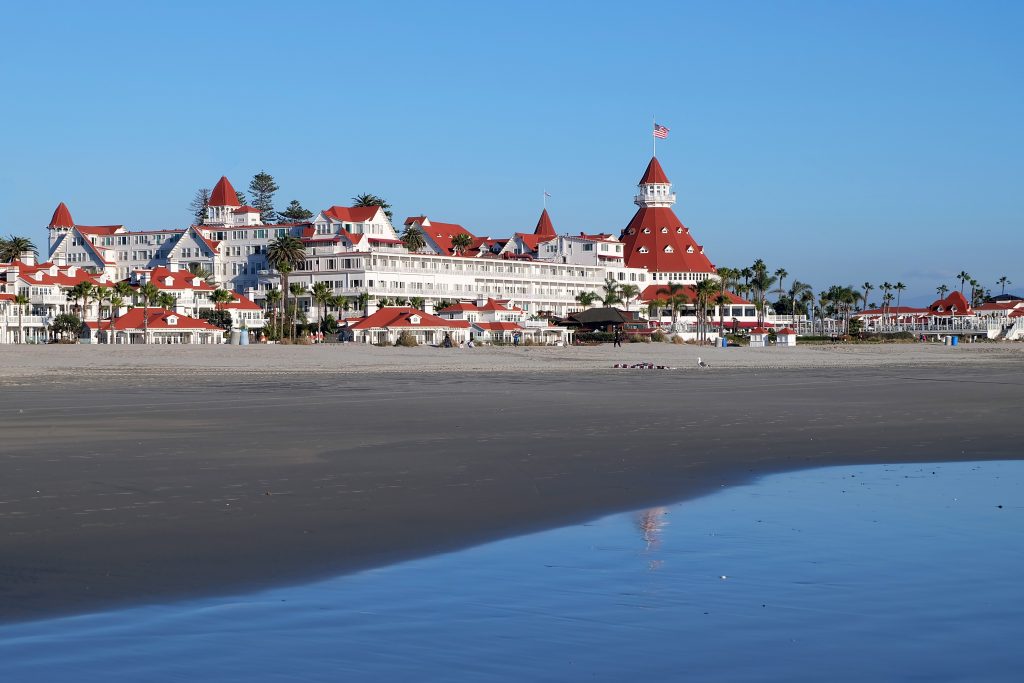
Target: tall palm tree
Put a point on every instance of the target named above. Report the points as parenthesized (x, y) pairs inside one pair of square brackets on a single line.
[(220, 298), (941, 290), (148, 293), (12, 247), (677, 298), (166, 300), (781, 274), (797, 291), (611, 292), (87, 289), (21, 301), (867, 287), (656, 306), (273, 298), (705, 291), (413, 239), (963, 277), (899, 287), (200, 271), (100, 294), (586, 299), (976, 290), (417, 302), (761, 281), (726, 276), (886, 289), (746, 274), (628, 294), (73, 295), (363, 301), (1003, 281), (323, 295), (296, 289), (460, 243), (285, 254)]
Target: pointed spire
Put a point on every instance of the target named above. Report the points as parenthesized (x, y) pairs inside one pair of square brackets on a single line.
[(223, 194), (654, 173), (544, 226), (62, 217)]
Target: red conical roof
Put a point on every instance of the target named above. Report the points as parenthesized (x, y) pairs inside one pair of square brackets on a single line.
[(62, 217), (544, 226), (657, 240), (223, 194), (654, 173)]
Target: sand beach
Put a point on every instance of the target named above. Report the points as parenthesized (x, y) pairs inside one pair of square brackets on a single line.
[(142, 474)]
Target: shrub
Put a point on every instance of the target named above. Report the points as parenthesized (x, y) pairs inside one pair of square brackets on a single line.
[(598, 337), (406, 339), (676, 339), (658, 336), (639, 339)]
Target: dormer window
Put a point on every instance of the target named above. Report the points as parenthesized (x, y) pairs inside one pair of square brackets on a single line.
[(414, 319), (632, 231), (172, 320), (647, 231), (168, 280), (689, 250), (669, 249), (642, 250), (679, 231), (664, 231)]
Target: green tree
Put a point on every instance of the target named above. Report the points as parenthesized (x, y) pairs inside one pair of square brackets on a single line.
[(66, 325), (295, 213), (166, 300), (461, 242), (417, 302), (611, 292), (798, 291), (273, 298), (100, 293), (199, 204), (586, 299), (867, 287), (1003, 281), (372, 200), (413, 238), (705, 290), (963, 277), (285, 254), (941, 290), (12, 247), (363, 301), (148, 293), (726, 277), (899, 287), (677, 298), (296, 289), (220, 298), (629, 293), (262, 188), (781, 274), (241, 198), (323, 295), (202, 272), (21, 301)]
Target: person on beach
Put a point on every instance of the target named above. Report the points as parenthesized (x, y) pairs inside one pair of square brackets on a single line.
[(515, 339), (617, 338), (447, 343)]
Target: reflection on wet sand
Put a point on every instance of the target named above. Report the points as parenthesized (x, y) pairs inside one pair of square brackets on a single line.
[(651, 522)]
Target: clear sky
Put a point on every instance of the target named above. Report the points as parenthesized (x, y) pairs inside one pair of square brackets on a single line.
[(843, 141)]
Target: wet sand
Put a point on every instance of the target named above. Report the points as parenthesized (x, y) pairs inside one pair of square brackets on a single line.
[(148, 485)]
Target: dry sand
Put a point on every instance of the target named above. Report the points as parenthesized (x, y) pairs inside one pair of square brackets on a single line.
[(133, 474)]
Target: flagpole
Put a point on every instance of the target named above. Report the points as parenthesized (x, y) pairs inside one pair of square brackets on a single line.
[(654, 122)]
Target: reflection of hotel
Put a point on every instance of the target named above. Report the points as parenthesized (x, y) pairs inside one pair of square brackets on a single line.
[(358, 251)]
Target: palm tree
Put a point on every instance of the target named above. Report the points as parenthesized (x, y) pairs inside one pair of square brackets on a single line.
[(73, 295), (116, 302), (285, 254), (296, 289), (725, 277), (363, 301), (611, 292), (976, 291), (413, 239), (1003, 281), (867, 287), (220, 298), (746, 274), (629, 293), (461, 242), (941, 290), (798, 290), (372, 200), (656, 306), (123, 289), (899, 287), (12, 247), (761, 282), (677, 298), (273, 298), (87, 290), (148, 293), (21, 301), (323, 295), (200, 271), (705, 291), (781, 274), (417, 302), (963, 277), (586, 299), (100, 294), (886, 288), (166, 300)]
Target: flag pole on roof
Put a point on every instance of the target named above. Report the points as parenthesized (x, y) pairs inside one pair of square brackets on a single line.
[(546, 195)]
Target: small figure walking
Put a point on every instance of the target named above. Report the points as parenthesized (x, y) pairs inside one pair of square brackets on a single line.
[(515, 338), (617, 339)]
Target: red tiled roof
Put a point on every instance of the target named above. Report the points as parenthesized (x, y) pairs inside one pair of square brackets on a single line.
[(955, 300), (157, 320), (99, 229), (663, 231), (500, 326), (652, 292), (246, 209), (759, 330), (654, 173), (352, 214), (415, 219), (787, 330), (242, 303), (544, 226), (182, 279), (398, 316), (442, 233), (224, 194), (62, 217)]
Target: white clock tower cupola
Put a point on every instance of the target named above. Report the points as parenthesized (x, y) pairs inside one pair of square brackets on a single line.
[(655, 188)]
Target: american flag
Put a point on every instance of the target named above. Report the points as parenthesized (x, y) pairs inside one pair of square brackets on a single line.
[(660, 131)]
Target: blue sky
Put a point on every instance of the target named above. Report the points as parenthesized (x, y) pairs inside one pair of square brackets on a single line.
[(843, 141)]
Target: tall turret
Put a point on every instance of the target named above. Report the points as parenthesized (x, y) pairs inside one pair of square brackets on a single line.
[(223, 202), (655, 188)]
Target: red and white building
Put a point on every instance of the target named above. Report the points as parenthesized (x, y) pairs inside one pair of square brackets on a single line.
[(493, 321), (153, 326)]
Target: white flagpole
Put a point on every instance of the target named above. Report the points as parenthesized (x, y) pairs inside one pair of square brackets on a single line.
[(654, 122)]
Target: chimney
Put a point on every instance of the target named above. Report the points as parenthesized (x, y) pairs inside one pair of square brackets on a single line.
[(60, 260), (28, 258), (173, 267)]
